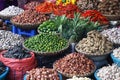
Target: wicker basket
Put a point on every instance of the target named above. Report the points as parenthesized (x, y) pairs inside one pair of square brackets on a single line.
[(95, 57), (112, 17), (79, 75), (48, 53), (27, 26)]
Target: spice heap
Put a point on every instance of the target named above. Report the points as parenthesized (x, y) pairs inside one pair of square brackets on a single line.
[(80, 78), (112, 35), (94, 15), (31, 5), (46, 43), (116, 53), (11, 11), (109, 7), (42, 74), (94, 44), (8, 39), (2, 68), (74, 64), (109, 73), (87, 4), (30, 17), (17, 52)]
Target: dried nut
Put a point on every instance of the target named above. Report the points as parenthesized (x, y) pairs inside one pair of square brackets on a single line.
[(75, 64), (112, 35), (109, 72), (42, 74), (11, 11), (31, 5), (109, 7), (30, 17), (116, 53), (98, 46), (9, 39)]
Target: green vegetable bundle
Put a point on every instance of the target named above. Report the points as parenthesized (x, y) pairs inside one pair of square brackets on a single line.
[(46, 43)]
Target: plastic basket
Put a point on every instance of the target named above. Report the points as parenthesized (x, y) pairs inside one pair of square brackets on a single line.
[(3, 75), (115, 60), (95, 74)]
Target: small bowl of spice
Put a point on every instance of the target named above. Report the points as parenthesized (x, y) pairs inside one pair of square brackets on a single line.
[(116, 56)]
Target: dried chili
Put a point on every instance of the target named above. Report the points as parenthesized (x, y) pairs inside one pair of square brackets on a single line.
[(95, 16)]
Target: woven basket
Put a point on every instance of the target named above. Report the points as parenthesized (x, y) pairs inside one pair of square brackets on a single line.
[(95, 57), (48, 53), (112, 17), (27, 26), (79, 75)]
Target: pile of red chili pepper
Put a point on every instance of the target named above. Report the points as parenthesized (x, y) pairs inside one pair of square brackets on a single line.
[(95, 16), (67, 10), (58, 10), (46, 7)]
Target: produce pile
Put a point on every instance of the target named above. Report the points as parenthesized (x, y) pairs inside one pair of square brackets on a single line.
[(58, 10), (112, 35), (74, 64), (79, 78), (94, 44), (31, 5), (2, 68), (11, 11), (111, 72), (87, 4), (109, 7), (49, 26), (9, 39), (42, 74), (116, 53), (95, 16), (30, 17), (17, 52), (46, 43)]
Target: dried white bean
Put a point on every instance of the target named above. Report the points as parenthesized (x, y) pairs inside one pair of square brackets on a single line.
[(112, 35), (9, 39), (109, 72), (11, 11)]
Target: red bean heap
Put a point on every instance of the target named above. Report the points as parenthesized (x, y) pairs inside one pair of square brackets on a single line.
[(30, 17), (42, 74), (74, 64)]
